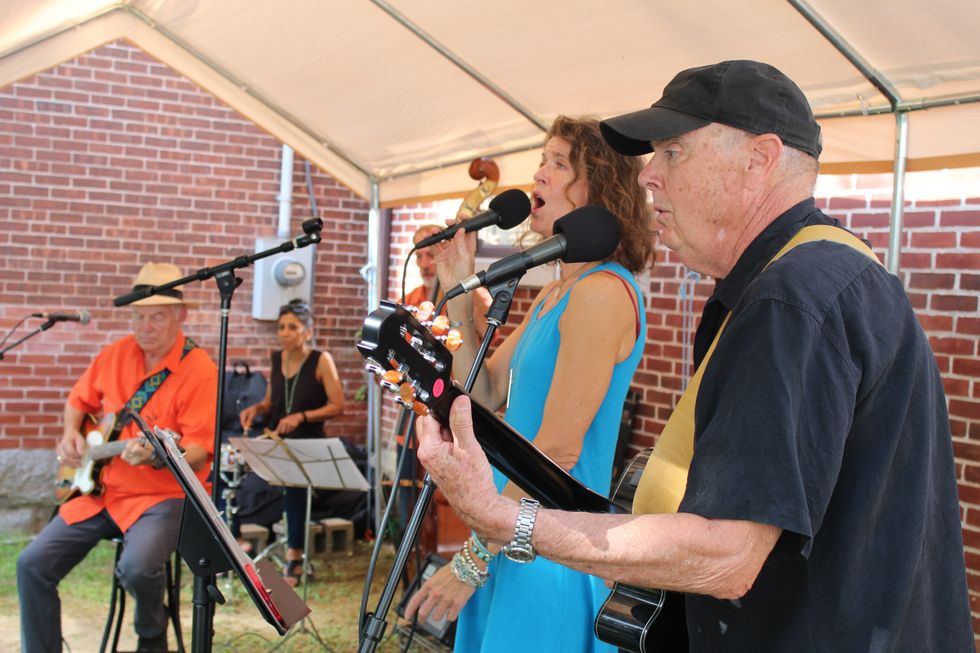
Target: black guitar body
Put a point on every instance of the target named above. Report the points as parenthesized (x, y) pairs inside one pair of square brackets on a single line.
[(643, 620), (632, 618)]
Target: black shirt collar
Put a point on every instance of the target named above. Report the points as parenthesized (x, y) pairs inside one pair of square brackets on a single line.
[(755, 257), (761, 250)]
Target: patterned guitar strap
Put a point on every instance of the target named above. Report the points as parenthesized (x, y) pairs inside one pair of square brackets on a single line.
[(664, 478), (142, 395)]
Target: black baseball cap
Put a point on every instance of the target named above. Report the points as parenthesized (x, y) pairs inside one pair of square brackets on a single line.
[(748, 95)]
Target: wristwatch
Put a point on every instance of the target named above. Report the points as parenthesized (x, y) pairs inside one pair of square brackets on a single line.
[(519, 549)]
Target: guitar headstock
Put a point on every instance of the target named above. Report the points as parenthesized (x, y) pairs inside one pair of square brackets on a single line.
[(409, 359)]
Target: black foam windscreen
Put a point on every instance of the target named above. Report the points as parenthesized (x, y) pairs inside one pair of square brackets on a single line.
[(513, 206), (591, 234)]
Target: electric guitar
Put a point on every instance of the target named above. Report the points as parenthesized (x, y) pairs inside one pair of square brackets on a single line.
[(87, 477), (414, 363)]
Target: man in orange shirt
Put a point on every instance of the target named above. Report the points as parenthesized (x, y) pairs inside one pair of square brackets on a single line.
[(140, 501)]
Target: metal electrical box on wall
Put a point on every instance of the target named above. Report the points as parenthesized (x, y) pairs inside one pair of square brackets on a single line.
[(280, 278)]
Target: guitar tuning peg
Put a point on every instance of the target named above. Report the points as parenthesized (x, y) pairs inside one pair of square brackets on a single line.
[(419, 408), (454, 340), (440, 325), (424, 311), (391, 380), (406, 393)]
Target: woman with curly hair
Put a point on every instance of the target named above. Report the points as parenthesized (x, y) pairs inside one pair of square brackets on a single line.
[(563, 375)]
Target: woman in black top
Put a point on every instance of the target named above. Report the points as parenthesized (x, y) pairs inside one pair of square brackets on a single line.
[(304, 391)]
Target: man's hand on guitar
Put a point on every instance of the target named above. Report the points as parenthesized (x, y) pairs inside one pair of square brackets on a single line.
[(137, 452), (441, 595), (71, 448), (460, 468)]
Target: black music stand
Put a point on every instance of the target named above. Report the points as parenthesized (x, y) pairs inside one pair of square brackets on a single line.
[(308, 463), (208, 547), (205, 590)]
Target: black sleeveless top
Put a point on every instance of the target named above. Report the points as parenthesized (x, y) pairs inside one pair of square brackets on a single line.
[(308, 395)]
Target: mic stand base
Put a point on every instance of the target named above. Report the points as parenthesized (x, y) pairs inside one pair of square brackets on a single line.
[(375, 623), (305, 576)]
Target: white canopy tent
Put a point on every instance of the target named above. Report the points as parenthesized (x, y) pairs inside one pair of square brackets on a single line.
[(404, 93), (395, 97)]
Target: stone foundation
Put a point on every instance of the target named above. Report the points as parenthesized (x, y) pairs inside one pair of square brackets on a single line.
[(26, 489)]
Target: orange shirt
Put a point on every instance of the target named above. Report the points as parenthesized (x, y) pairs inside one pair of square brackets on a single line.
[(184, 403), (417, 296)]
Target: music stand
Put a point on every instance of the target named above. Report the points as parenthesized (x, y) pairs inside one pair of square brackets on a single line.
[(208, 547), (310, 463)]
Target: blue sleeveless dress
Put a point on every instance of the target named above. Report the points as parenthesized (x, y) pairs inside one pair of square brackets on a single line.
[(542, 606)]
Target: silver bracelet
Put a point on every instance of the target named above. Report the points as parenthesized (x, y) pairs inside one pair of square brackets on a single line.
[(466, 571)]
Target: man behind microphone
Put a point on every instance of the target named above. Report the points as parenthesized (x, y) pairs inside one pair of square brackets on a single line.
[(426, 261), (172, 383)]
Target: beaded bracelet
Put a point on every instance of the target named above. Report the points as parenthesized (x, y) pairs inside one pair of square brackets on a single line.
[(479, 549), (466, 571)]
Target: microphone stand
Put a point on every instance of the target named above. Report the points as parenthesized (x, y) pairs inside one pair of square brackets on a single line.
[(375, 623), (206, 592), (44, 327)]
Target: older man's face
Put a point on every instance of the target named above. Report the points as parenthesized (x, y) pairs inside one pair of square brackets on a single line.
[(695, 185), (156, 327)]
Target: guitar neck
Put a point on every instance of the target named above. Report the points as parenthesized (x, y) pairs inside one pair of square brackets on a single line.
[(107, 450), (523, 463)]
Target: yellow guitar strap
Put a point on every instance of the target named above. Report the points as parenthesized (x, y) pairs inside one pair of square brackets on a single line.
[(664, 478)]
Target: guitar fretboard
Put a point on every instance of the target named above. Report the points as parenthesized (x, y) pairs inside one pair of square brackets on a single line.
[(107, 450)]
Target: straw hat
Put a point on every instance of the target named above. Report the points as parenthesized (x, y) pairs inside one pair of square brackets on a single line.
[(156, 274)]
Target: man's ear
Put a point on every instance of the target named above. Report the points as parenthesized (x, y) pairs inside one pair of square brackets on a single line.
[(764, 157)]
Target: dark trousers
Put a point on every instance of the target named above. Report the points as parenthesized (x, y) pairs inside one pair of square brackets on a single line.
[(294, 499), (59, 547)]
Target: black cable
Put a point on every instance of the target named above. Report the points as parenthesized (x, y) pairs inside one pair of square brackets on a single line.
[(405, 273), (16, 326)]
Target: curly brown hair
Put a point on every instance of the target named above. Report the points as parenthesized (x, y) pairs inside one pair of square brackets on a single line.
[(612, 180)]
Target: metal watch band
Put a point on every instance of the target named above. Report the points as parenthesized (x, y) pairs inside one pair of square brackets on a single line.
[(519, 549)]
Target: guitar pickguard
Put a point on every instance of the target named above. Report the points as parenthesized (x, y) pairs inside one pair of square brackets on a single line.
[(83, 481)]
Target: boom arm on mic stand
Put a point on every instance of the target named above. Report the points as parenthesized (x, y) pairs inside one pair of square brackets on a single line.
[(206, 592)]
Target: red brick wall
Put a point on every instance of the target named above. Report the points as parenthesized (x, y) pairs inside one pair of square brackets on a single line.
[(112, 160)]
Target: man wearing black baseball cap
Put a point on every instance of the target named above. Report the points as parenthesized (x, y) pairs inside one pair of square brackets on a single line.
[(803, 494)]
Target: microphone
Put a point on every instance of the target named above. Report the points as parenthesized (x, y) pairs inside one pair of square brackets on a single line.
[(589, 233), (81, 316), (506, 211)]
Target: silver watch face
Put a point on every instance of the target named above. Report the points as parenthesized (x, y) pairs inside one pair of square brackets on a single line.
[(519, 554)]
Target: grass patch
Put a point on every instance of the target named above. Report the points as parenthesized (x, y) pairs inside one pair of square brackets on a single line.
[(334, 597)]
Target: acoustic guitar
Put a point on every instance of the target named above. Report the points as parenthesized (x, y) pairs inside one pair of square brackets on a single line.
[(417, 367)]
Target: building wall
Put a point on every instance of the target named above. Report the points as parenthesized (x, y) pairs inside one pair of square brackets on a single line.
[(112, 160)]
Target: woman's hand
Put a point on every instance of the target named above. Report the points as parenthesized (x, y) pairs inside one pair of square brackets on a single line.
[(247, 416), (290, 423), (442, 595), (456, 258)]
